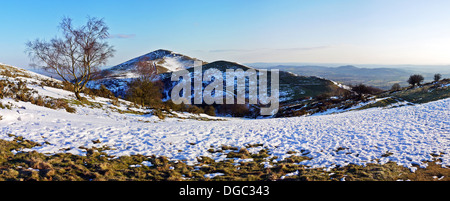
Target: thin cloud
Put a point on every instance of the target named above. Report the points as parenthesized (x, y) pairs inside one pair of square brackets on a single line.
[(122, 36)]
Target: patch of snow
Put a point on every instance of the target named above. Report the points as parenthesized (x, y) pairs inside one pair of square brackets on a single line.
[(212, 175), (147, 163), (176, 63), (343, 86), (290, 174)]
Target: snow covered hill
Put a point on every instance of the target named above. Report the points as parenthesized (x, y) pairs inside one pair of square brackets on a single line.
[(168, 61), (408, 135), (292, 86), (117, 77)]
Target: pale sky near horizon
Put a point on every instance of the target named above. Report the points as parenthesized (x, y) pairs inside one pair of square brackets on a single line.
[(321, 31)]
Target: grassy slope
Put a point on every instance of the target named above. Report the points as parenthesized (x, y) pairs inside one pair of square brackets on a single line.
[(406, 96), (97, 166), (418, 95)]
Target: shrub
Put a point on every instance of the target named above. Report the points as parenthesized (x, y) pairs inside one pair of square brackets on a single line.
[(194, 109), (172, 106), (235, 110), (396, 87), (71, 109), (158, 113), (104, 92), (361, 89), (2, 87), (210, 110), (323, 97), (68, 86), (60, 103), (437, 77), (115, 101), (145, 93), (7, 73), (54, 84), (38, 101)]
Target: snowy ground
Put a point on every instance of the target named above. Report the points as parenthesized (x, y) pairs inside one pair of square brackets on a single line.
[(409, 133), (406, 135)]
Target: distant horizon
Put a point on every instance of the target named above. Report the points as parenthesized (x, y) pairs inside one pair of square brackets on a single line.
[(374, 65), (295, 63), (272, 64), (418, 67), (299, 64)]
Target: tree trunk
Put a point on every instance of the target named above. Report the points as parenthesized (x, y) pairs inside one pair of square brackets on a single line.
[(77, 93)]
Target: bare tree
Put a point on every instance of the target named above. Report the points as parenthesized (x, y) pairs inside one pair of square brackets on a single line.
[(146, 69), (75, 56), (146, 90), (361, 89)]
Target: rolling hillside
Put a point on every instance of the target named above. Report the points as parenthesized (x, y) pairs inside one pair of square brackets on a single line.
[(292, 86), (381, 77)]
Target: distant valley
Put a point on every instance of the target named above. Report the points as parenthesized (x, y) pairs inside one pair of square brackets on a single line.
[(379, 77)]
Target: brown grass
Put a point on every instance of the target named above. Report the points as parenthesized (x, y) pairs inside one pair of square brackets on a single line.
[(98, 166)]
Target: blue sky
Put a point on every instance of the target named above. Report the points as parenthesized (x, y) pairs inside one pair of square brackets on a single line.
[(319, 31)]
